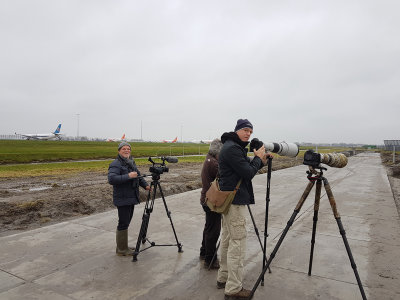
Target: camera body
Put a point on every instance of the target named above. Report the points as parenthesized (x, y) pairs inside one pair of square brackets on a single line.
[(255, 144), (312, 158), (158, 169)]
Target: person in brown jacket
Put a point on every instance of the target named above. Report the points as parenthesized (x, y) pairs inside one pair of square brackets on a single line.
[(212, 227)]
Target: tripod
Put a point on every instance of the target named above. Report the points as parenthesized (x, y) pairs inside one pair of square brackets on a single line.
[(317, 178), (148, 209)]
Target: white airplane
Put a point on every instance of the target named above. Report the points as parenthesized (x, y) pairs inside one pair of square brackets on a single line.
[(170, 141), (202, 141), (116, 139), (44, 136)]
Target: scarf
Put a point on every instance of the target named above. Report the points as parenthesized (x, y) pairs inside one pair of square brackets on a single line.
[(128, 161)]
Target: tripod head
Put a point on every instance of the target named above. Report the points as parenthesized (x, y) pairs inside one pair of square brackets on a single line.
[(159, 168), (312, 171)]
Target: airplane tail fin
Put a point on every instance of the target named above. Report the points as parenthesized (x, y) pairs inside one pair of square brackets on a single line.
[(58, 129), (123, 137), (174, 141)]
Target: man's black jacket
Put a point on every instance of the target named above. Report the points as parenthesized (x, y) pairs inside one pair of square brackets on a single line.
[(234, 164)]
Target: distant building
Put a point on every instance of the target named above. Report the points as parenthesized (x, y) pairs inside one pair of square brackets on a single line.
[(390, 144), (11, 137)]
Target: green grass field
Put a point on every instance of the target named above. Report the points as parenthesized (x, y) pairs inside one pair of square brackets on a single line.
[(15, 154), (70, 168), (22, 151)]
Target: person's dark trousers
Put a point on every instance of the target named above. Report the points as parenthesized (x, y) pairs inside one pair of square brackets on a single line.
[(211, 232), (125, 214)]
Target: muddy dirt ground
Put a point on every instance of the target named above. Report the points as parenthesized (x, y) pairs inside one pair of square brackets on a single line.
[(27, 203), (393, 171), (31, 202)]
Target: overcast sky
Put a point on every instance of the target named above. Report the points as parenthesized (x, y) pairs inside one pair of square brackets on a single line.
[(300, 71)]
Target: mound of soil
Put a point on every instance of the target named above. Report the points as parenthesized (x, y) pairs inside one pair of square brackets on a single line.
[(393, 171)]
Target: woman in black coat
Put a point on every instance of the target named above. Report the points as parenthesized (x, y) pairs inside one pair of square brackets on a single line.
[(123, 176)]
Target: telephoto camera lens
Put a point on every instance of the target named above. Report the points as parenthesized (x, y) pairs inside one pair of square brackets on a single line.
[(314, 159), (282, 148), (335, 160)]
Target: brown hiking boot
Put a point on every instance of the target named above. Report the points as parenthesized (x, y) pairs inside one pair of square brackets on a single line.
[(213, 266), (243, 294)]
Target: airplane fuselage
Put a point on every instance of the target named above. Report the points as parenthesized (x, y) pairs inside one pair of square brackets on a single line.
[(41, 136)]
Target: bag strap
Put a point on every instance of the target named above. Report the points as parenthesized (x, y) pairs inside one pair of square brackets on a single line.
[(238, 184)]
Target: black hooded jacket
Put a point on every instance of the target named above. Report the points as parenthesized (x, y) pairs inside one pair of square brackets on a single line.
[(234, 164)]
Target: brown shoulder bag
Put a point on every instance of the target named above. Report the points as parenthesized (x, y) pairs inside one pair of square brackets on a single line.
[(220, 201)]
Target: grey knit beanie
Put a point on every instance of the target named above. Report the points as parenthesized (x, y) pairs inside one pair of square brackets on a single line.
[(215, 147), (122, 144)]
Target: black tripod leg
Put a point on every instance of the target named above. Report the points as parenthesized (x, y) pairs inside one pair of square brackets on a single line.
[(258, 235), (343, 234), (149, 209), (315, 220), (215, 255), (289, 223), (142, 233), (179, 245), (145, 223), (215, 252), (267, 199)]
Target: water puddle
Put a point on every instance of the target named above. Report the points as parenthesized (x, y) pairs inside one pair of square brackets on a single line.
[(34, 189), (41, 188)]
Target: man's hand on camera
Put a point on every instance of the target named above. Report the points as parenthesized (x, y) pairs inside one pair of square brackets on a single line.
[(132, 174), (260, 152), (148, 188)]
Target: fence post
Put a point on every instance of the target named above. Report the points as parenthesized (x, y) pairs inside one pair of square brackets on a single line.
[(394, 154)]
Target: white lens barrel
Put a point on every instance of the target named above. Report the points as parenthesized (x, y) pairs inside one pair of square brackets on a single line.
[(289, 149), (283, 148)]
